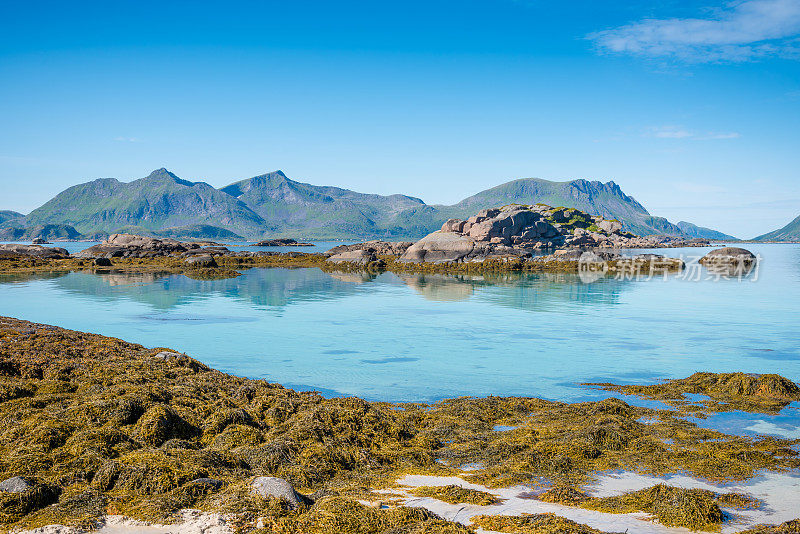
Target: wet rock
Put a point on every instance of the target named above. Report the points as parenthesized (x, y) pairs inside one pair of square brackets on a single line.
[(728, 255), (205, 261), (134, 246), (729, 261), (102, 262), (439, 247), (360, 257), (34, 250), (380, 248), (266, 487), (15, 485)]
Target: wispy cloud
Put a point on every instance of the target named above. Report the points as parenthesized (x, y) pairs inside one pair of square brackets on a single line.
[(740, 31), (678, 132), (121, 139)]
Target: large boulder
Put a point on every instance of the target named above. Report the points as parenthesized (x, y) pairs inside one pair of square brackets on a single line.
[(278, 488), (439, 247), (729, 261), (358, 256), (728, 255)]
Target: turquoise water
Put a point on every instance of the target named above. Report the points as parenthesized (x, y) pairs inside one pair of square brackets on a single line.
[(415, 337)]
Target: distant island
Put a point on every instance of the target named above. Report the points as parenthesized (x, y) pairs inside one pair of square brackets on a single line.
[(273, 206)]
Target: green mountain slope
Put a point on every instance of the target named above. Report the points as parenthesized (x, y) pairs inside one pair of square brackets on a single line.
[(692, 230), (10, 218), (160, 200), (272, 205), (321, 211), (790, 232), (598, 198)]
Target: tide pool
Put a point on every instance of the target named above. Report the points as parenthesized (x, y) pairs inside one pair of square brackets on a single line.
[(407, 337)]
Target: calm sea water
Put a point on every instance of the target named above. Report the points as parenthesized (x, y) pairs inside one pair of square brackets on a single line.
[(423, 337)]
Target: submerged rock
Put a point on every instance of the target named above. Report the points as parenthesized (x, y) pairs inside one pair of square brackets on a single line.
[(278, 488)]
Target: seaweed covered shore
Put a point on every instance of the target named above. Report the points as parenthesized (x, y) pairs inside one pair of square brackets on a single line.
[(230, 265), (92, 426)]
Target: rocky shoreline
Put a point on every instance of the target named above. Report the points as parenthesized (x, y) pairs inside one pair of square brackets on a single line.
[(512, 238), (96, 428)]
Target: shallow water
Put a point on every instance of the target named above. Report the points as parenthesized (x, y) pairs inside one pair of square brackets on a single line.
[(423, 337)]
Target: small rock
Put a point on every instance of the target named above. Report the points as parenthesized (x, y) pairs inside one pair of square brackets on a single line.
[(167, 355), (15, 485), (202, 260), (278, 488), (102, 262)]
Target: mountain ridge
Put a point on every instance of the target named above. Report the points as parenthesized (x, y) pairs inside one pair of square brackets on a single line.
[(790, 232), (273, 205)]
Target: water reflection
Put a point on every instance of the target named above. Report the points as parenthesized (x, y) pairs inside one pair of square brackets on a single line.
[(276, 288), (426, 337)]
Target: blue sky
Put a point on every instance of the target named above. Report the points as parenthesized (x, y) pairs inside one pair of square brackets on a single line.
[(692, 107)]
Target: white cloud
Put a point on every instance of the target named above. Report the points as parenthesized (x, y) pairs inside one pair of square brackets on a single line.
[(669, 132), (743, 30), (677, 132), (126, 139)]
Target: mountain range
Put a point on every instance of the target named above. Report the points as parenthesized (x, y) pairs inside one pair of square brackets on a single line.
[(272, 205)]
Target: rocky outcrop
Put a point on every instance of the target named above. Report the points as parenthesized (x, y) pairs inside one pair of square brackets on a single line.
[(513, 230), (358, 257), (204, 261), (519, 230), (379, 248), (12, 249), (133, 246), (139, 246), (282, 242), (441, 246), (729, 261)]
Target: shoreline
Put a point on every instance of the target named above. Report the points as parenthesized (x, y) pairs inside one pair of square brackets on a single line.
[(228, 265), (158, 413)]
